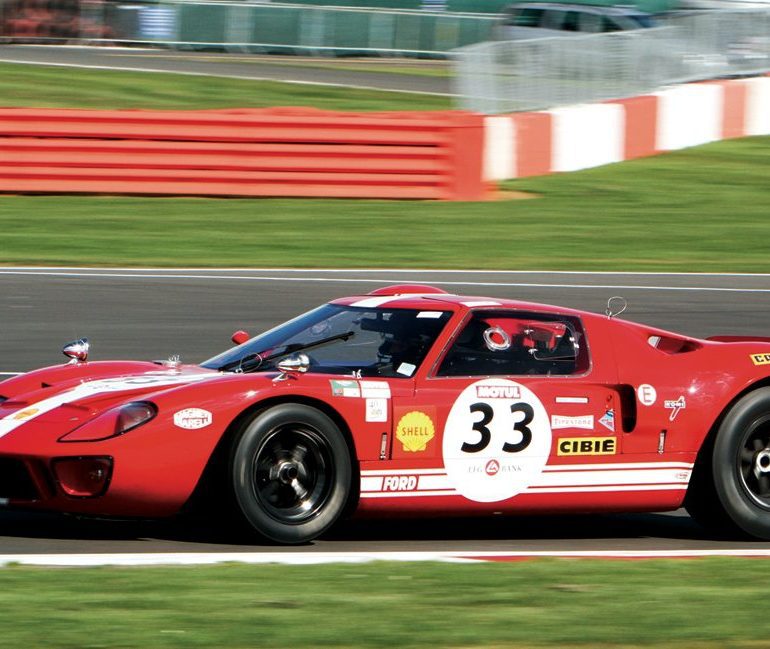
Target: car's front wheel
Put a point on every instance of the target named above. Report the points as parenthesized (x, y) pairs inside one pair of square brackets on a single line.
[(290, 472)]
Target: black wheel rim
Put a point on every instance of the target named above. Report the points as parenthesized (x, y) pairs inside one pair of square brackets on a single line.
[(754, 462), (292, 473)]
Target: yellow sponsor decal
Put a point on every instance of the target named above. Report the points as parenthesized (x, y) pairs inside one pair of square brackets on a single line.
[(587, 446), (414, 430), (760, 359), (26, 414)]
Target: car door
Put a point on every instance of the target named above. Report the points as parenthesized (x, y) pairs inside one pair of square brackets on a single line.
[(514, 393)]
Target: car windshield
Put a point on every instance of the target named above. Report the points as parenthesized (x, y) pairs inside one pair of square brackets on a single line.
[(343, 340)]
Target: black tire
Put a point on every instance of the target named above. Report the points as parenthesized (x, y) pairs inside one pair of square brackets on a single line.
[(291, 473), (741, 465)]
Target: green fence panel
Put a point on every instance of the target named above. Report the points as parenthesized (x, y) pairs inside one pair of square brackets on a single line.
[(202, 23), (276, 25)]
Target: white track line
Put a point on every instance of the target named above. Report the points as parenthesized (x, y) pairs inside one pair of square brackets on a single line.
[(358, 280), (311, 558), (117, 68), (203, 269)]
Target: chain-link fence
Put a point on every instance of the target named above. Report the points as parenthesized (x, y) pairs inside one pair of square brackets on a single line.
[(241, 26), (509, 76)]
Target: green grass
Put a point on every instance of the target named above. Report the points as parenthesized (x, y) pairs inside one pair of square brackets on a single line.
[(702, 209), (55, 87), (709, 603)]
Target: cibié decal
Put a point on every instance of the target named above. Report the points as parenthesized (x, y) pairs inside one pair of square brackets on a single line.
[(192, 418), (587, 446), (760, 359), (497, 439)]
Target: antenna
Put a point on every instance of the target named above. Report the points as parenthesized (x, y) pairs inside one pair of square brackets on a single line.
[(620, 305)]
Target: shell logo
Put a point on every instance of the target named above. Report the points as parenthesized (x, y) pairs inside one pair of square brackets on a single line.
[(414, 430)]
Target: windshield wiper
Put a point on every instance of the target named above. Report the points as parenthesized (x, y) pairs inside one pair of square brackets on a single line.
[(253, 361)]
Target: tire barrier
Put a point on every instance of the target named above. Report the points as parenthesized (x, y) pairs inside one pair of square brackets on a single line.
[(589, 135), (302, 152)]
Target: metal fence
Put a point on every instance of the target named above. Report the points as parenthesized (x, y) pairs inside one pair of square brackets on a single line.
[(509, 76), (247, 27)]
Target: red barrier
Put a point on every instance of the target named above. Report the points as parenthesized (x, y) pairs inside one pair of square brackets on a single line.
[(271, 152)]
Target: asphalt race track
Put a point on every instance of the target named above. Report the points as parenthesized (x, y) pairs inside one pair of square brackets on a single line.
[(151, 314)]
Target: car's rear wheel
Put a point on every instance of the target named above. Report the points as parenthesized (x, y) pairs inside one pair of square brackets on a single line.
[(741, 466), (291, 473)]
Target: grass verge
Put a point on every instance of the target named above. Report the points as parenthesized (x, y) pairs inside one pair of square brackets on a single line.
[(56, 87), (701, 209), (705, 603)]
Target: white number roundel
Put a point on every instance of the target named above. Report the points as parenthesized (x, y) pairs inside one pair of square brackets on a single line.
[(496, 441)]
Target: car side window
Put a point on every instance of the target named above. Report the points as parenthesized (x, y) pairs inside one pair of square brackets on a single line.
[(495, 343)]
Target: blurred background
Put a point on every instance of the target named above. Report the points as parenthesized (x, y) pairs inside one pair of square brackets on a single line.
[(504, 56)]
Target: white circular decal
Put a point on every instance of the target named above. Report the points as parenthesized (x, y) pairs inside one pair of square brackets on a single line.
[(647, 394), (496, 441)]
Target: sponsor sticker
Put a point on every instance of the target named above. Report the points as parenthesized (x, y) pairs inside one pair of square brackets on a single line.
[(587, 446), (376, 410), (571, 399), (345, 388), (760, 359), (647, 394), (429, 314), (375, 389), (497, 439), (608, 420), (583, 421), (25, 414), (407, 369), (414, 430), (192, 418), (399, 483), (675, 406)]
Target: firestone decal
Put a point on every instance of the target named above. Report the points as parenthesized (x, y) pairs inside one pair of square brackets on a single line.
[(585, 422), (414, 430), (497, 440)]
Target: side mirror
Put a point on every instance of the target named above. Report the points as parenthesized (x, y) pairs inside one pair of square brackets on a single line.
[(77, 350), (240, 337), (292, 366)]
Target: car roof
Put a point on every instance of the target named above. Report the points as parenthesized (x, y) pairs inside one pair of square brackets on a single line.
[(420, 296)]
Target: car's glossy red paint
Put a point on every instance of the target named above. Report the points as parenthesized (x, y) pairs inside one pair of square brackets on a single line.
[(621, 431)]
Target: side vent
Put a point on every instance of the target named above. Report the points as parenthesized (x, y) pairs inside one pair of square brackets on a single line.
[(673, 345)]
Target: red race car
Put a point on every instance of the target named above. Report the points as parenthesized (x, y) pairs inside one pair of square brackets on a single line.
[(407, 401)]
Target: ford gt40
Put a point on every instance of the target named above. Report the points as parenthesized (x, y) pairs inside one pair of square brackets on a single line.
[(407, 401)]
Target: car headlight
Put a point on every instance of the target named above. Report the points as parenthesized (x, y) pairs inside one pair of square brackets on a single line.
[(113, 423)]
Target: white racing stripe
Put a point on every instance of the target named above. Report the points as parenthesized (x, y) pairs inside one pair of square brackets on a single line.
[(315, 558), (90, 388), (573, 478)]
